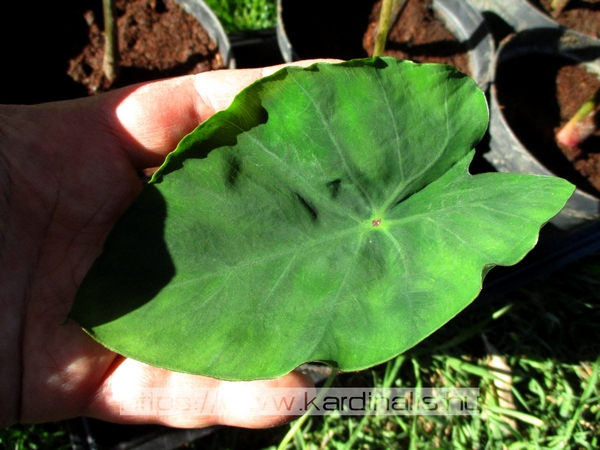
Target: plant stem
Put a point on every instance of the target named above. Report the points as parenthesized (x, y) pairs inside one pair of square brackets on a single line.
[(383, 28), (581, 125), (390, 11), (557, 6), (298, 423), (110, 64)]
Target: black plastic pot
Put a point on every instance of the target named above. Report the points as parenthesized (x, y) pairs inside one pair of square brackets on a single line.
[(323, 32), (322, 29), (507, 153)]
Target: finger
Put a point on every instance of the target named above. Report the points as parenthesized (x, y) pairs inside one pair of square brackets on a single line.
[(137, 393), (152, 118)]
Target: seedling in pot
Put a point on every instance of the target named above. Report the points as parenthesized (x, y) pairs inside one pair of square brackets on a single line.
[(425, 31), (582, 125), (326, 215), (157, 39)]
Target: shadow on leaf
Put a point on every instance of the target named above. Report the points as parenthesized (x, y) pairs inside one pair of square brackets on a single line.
[(144, 260)]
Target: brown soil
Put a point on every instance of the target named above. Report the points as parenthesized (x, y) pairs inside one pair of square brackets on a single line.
[(148, 50), (419, 36), (580, 15), (538, 94), (342, 29)]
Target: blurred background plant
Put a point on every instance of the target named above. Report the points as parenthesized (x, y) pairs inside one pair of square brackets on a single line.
[(241, 15), (49, 436)]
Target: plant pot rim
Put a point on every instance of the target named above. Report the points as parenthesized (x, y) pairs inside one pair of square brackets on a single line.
[(207, 18), (519, 14), (507, 153)]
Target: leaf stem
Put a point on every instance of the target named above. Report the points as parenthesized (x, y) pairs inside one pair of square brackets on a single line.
[(298, 423), (581, 125), (110, 63)]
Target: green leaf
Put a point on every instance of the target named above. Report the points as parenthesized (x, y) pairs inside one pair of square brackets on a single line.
[(326, 215)]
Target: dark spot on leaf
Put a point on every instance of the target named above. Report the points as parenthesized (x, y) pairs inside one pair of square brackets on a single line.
[(234, 167), (376, 222), (313, 68), (311, 209), (334, 187), (379, 63)]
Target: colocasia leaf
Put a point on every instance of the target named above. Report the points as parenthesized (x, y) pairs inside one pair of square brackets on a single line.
[(328, 215)]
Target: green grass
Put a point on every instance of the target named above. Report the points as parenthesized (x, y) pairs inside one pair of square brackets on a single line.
[(50, 436), (239, 15)]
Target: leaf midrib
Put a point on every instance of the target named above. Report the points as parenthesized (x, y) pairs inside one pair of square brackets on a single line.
[(303, 246)]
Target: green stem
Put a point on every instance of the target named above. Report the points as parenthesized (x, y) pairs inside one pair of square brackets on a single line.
[(384, 26), (390, 11), (302, 420), (110, 64)]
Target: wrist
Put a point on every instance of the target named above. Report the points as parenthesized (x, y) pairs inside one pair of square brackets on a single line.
[(12, 304)]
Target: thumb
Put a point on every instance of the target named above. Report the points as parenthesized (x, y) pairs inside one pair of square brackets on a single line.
[(151, 118)]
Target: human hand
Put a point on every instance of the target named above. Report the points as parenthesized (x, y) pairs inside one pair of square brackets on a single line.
[(68, 170)]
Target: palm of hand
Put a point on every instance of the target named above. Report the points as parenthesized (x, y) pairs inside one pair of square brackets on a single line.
[(67, 172)]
